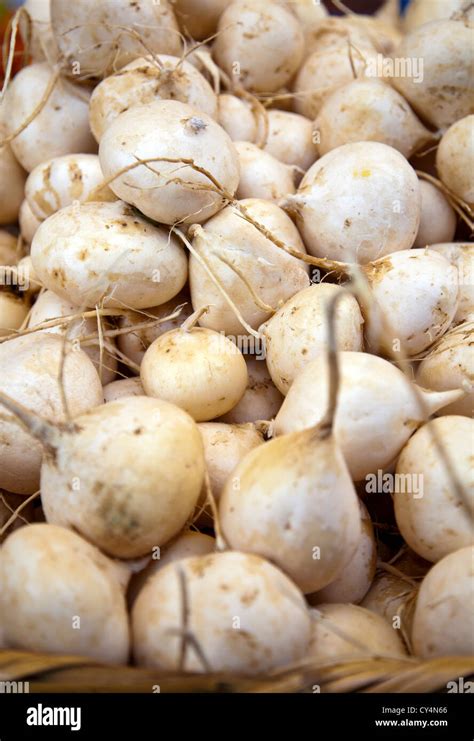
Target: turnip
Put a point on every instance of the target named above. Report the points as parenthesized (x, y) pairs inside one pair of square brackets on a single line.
[(58, 182), (348, 632), (369, 110), (291, 139), (47, 116), (374, 395), (455, 160), (307, 11), (219, 374), (93, 252), (145, 80), (261, 400), (357, 576), (123, 388), (28, 222), (297, 333), (232, 600), (176, 143), (259, 44), (61, 595), (438, 219), (442, 92), (437, 520), (262, 175), (96, 39), (12, 182), (462, 257), (13, 311), (30, 369), (420, 12), (359, 202), (449, 365), (333, 32), (236, 116), (36, 31), (50, 306), (199, 18), (255, 273), (442, 624)]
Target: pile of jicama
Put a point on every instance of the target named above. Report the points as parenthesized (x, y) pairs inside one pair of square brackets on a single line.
[(236, 333)]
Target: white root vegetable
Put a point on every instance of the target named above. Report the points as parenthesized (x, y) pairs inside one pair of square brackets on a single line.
[(349, 631), (417, 291), (307, 11), (125, 509), (145, 80), (93, 252), (438, 218), (30, 373), (261, 400), (333, 32), (297, 333), (440, 89), (169, 191), (123, 388), (96, 39), (455, 160), (262, 175), (420, 12), (63, 576), (12, 182), (8, 248), (450, 365), (219, 376), (50, 306), (442, 624), (235, 115), (247, 264), (357, 576), (37, 33), (28, 222), (58, 182), (374, 395), (13, 311), (136, 342), (60, 127), (369, 110), (462, 257), (219, 587), (260, 44), (437, 520), (199, 18), (291, 139), (359, 202)]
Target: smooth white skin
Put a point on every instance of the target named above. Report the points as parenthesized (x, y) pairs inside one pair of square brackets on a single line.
[(355, 580), (173, 130), (365, 634), (369, 110), (219, 373), (50, 306), (144, 81), (442, 624), (12, 183), (237, 118), (358, 203), (335, 32), (29, 373), (262, 175), (462, 257), (95, 34), (297, 333), (374, 395), (39, 33), (444, 95), (291, 139), (261, 399), (8, 248), (126, 509), (287, 499), (274, 275), (420, 12), (62, 126), (455, 160), (93, 252), (221, 587), (61, 181), (49, 576), (260, 44), (199, 18), (438, 219), (28, 222), (13, 312), (440, 521), (123, 388), (449, 365), (417, 291), (322, 73), (307, 11)]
